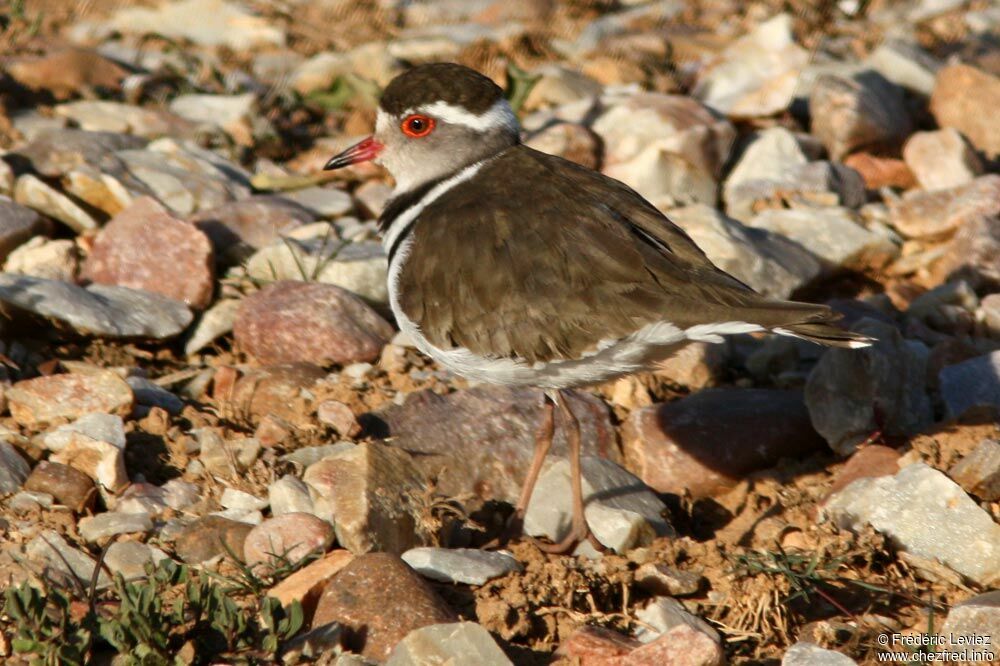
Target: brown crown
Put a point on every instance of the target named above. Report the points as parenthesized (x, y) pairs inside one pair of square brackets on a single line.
[(440, 82)]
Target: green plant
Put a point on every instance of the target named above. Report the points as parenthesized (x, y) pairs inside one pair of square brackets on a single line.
[(45, 628)]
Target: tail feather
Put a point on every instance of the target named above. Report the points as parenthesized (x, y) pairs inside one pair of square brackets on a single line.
[(815, 323)]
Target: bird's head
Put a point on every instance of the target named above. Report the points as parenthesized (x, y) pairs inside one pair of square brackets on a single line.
[(432, 121)]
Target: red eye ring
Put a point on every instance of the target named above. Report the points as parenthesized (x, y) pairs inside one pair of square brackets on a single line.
[(417, 125)]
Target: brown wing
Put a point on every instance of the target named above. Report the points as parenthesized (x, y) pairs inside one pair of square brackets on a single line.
[(585, 261)]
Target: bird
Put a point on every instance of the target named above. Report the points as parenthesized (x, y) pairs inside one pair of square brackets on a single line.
[(510, 266)]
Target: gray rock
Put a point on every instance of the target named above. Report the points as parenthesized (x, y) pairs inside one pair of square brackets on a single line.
[(756, 75), (14, 469), (660, 579), (214, 323), (771, 264), (663, 614), (621, 510), (460, 565), (853, 393), (289, 494), (109, 116), (358, 267), (102, 310), (862, 111), (941, 159), (36, 194), (971, 383), (976, 622), (832, 234), (310, 455), (939, 213), (96, 427), (152, 395), (61, 561), (971, 254), (226, 457), (467, 643), (111, 523), (804, 653), (27, 501), (231, 113), (56, 152), (964, 537), (129, 558), (770, 155), (238, 228), (18, 224), (979, 471), (237, 499), (325, 203)]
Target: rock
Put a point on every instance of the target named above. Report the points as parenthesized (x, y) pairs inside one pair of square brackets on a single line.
[(143, 247), (233, 114), (370, 494), (597, 645), (130, 559), (878, 172), (14, 469), (864, 111), (310, 455), (705, 443), (18, 224), (102, 310), (204, 22), (289, 494), (149, 394), (756, 75), (96, 452), (108, 116), (69, 486), (481, 439), (61, 563), (906, 65), (965, 537), (979, 472), (769, 156), (621, 512), (659, 579), (668, 148), (467, 643), (558, 85), (571, 141), (56, 152), (867, 462), (966, 99), (324, 203), (48, 259), (971, 383), (971, 254), (27, 501), (974, 623), (361, 267), (226, 458), (663, 614), (832, 234), (460, 565), (306, 585), (36, 194), (696, 366), (111, 523), (338, 416), (214, 323), (238, 228), (804, 653), (287, 538), (211, 537), (853, 393), (237, 499), (682, 644), (941, 159), (305, 321), (68, 396), (773, 265), (379, 600), (280, 391), (65, 72)]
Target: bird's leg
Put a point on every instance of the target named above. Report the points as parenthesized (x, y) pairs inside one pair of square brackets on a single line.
[(579, 530)]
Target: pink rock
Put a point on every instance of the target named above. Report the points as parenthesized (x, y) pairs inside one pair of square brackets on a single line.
[(144, 247), (292, 321), (682, 645), (597, 646), (59, 398), (290, 535)]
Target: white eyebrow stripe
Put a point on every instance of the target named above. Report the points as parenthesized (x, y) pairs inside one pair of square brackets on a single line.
[(498, 115)]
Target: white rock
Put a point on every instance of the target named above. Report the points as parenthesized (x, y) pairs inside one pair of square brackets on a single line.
[(111, 523), (964, 537), (465, 643), (460, 565), (325, 203), (906, 65), (289, 494), (94, 444), (90, 427), (238, 499), (204, 22), (941, 159), (50, 550), (34, 193), (804, 653), (757, 74), (620, 510), (50, 259), (974, 620), (358, 267), (663, 614), (214, 323), (770, 155), (129, 558)]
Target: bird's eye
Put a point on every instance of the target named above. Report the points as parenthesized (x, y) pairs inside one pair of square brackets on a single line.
[(417, 126)]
